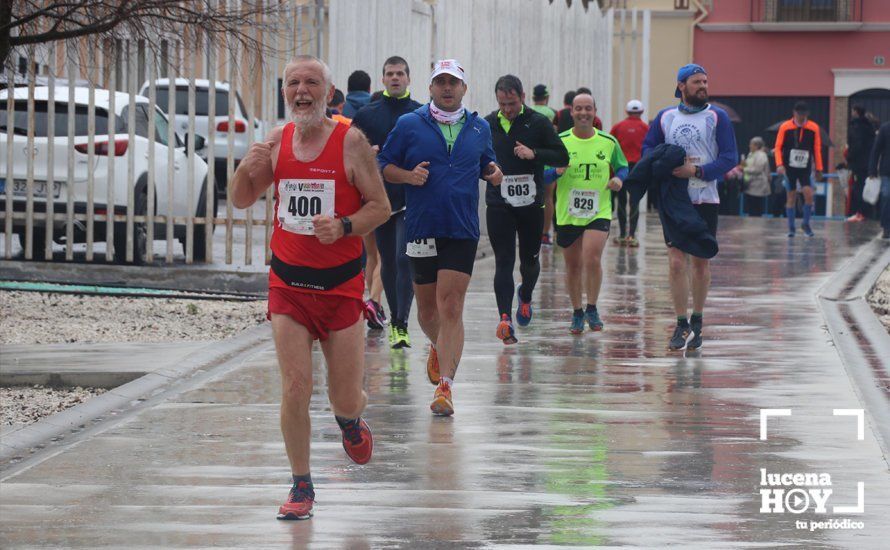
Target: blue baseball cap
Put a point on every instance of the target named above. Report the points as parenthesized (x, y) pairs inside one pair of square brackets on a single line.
[(685, 72)]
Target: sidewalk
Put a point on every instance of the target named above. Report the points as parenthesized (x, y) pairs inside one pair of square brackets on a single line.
[(603, 439)]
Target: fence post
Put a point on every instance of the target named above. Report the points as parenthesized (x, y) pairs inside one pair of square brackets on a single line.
[(210, 190), (50, 203), (29, 156), (10, 154), (131, 152), (91, 152), (112, 137)]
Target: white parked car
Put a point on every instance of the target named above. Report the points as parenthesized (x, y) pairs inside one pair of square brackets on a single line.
[(240, 129), (117, 153)]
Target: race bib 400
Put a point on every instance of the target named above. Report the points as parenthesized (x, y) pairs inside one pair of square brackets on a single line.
[(300, 200)]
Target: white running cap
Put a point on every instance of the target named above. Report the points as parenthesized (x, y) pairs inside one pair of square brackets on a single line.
[(634, 106), (447, 66)]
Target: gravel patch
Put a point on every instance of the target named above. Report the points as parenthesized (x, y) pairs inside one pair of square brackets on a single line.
[(879, 298), (52, 318), (22, 405)]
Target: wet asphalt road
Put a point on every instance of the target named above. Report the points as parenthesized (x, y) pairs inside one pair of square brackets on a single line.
[(603, 439)]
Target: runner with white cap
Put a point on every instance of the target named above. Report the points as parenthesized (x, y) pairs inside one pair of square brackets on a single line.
[(440, 151), (630, 133)]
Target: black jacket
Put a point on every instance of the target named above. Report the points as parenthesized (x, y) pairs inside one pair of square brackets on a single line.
[(533, 130), (377, 120), (860, 138), (880, 150), (683, 227)]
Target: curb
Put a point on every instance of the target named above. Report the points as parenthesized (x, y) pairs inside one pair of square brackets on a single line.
[(21, 448), (860, 338), (196, 278)]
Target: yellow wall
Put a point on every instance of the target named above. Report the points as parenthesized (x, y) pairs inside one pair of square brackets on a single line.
[(669, 49)]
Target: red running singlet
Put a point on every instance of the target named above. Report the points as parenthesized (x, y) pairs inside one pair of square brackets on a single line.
[(302, 190)]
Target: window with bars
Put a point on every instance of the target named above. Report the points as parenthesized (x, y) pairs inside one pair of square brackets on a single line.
[(808, 10)]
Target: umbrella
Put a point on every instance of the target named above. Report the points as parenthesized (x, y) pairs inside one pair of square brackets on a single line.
[(733, 116), (826, 140)]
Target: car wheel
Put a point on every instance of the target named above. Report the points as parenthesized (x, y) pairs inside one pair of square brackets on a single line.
[(140, 234), (199, 240), (38, 250)]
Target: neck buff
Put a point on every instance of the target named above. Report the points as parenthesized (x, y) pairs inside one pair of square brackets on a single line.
[(445, 117), (692, 110), (403, 96)]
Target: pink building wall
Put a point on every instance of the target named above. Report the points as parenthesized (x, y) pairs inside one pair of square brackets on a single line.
[(785, 63)]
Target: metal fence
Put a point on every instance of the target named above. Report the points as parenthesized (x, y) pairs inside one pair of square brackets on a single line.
[(100, 153), (91, 159)]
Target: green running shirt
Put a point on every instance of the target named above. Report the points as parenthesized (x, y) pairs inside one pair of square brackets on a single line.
[(545, 110), (450, 131), (582, 194)]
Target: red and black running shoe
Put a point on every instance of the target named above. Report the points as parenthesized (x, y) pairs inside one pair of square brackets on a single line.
[(299, 502), (358, 442)]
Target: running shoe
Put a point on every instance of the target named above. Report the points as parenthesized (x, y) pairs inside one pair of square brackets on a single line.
[(790, 234), (857, 217), (299, 502), (432, 366), (441, 404), (620, 241), (545, 240), (577, 323), (402, 340), (594, 321), (807, 230), (681, 337), (358, 442), (523, 309), (505, 330), (632, 242), (374, 315), (694, 342)]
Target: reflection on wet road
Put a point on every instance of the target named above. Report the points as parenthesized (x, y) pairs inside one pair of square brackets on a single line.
[(603, 439)]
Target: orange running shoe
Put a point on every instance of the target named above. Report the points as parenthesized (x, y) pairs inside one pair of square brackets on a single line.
[(432, 366), (299, 502), (441, 404), (505, 330), (358, 442)]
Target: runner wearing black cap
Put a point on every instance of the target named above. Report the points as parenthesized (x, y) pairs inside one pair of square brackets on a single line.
[(541, 95)]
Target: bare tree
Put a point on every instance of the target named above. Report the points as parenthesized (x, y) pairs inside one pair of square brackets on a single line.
[(29, 22)]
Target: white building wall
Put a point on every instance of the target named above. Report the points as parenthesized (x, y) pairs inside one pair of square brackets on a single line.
[(537, 41)]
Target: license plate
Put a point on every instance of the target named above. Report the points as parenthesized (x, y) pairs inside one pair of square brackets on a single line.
[(20, 188)]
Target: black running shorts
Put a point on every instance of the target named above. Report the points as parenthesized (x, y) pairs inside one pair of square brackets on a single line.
[(566, 235), (453, 254)]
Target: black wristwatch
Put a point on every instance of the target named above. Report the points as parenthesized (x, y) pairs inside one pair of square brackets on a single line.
[(699, 173), (347, 225)]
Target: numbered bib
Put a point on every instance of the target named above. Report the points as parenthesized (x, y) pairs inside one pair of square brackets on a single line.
[(584, 203), (300, 200), (422, 248), (696, 183), (798, 158), (519, 190)]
